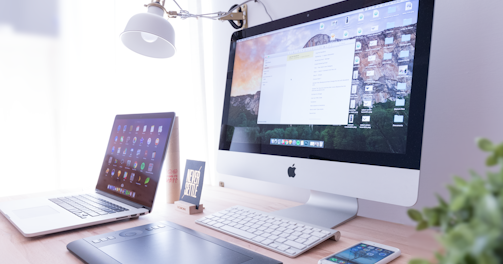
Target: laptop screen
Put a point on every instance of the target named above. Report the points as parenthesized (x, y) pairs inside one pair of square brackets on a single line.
[(134, 156)]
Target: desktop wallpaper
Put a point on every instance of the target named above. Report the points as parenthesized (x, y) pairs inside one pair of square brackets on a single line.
[(385, 44)]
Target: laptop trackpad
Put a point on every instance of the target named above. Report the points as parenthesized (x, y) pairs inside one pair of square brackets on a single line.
[(35, 212), (172, 246)]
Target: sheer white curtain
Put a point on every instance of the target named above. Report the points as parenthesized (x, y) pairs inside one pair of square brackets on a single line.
[(60, 93)]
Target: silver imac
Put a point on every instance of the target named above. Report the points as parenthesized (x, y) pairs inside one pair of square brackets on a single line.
[(331, 100)]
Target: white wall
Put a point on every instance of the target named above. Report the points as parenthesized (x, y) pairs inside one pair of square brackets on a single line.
[(59, 93), (463, 101)]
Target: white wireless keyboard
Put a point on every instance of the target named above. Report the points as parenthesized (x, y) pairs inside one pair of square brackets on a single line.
[(283, 235)]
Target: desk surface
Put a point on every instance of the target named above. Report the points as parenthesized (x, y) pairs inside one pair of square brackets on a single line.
[(14, 248)]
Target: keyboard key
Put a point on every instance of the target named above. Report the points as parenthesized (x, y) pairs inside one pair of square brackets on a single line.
[(310, 242), (294, 244), (318, 234), (266, 242), (283, 247), (238, 232), (273, 245), (291, 251), (96, 241), (300, 240), (281, 240), (305, 236), (258, 238)]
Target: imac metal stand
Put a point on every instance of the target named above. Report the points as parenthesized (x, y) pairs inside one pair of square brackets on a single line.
[(323, 209)]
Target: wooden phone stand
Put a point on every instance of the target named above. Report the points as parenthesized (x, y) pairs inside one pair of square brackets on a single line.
[(188, 208)]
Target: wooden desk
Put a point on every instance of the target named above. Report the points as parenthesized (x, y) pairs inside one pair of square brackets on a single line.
[(14, 248)]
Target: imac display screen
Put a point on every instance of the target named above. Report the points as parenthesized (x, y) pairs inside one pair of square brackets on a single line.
[(342, 82)]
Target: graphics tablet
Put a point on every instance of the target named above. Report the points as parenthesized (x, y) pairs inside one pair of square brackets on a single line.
[(162, 242)]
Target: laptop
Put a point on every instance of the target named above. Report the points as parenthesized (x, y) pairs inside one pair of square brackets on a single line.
[(126, 186)]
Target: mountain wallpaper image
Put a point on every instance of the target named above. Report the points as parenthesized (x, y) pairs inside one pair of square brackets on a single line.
[(388, 54)]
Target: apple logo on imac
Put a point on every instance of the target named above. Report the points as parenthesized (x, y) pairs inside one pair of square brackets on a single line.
[(291, 171)]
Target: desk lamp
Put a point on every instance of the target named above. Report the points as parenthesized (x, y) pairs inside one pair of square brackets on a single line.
[(151, 35)]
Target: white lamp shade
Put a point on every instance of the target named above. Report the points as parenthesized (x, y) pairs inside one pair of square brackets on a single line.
[(162, 47)]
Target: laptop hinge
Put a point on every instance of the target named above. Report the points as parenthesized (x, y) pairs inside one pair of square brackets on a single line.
[(122, 200)]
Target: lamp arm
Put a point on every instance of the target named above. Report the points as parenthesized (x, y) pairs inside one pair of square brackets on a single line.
[(183, 14)]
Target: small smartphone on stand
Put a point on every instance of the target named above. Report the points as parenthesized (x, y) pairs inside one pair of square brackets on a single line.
[(365, 252)]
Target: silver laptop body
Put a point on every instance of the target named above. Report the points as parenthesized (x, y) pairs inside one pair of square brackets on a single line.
[(127, 193)]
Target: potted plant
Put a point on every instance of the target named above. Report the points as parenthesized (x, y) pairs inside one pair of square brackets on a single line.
[(471, 224)]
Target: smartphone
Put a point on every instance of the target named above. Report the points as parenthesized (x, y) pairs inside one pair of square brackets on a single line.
[(365, 252)]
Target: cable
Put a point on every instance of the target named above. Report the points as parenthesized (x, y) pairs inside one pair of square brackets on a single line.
[(183, 14)]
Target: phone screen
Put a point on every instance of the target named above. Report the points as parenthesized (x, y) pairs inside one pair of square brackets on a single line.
[(360, 254)]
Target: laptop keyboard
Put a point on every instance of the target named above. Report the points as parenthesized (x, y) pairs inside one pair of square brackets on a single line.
[(87, 205)]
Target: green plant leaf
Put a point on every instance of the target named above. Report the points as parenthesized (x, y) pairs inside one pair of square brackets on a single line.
[(418, 261), (460, 182), (415, 215), (484, 144), (499, 150), (458, 202), (492, 160), (422, 225), (442, 202)]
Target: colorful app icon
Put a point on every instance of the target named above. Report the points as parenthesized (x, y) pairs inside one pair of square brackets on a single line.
[(358, 45), (113, 149), (122, 161), (153, 155), (110, 160), (119, 174), (157, 141), (122, 139), (125, 175), (298, 142), (142, 166), (290, 142), (159, 130), (128, 139), (116, 137), (131, 151), (146, 152), (119, 128), (134, 140), (106, 172), (141, 140), (408, 6), (135, 164), (113, 172), (145, 128), (125, 151), (322, 26), (139, 178), (130, 128), (149, 140), (376, 13), (361, 17), (138, 152), (137, 128), (125, 127), (119, 151), (128, 163), (115, 161), (147, 180), (152, 129), (150, 166), (132, 177)]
